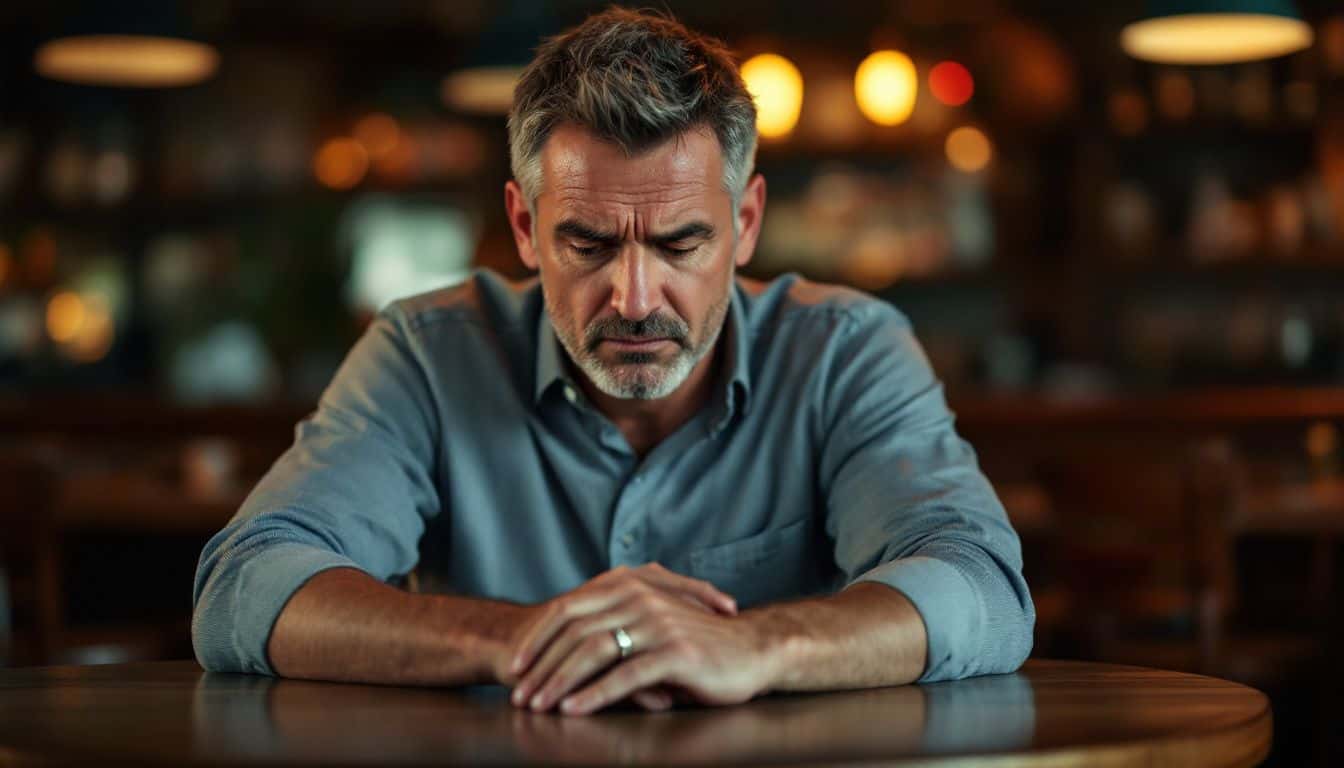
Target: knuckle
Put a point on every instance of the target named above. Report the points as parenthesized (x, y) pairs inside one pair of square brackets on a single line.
[(648, 601), (556, 608)]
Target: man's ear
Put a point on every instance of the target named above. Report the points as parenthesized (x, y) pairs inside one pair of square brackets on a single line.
[(750, 211), (520, 221)]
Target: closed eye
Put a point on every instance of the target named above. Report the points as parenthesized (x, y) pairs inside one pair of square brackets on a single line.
[(587, 250)]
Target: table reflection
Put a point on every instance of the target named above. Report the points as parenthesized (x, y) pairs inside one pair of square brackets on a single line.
[(241, 717)]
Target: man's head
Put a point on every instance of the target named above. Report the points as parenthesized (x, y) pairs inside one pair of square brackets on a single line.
[(632, 141)]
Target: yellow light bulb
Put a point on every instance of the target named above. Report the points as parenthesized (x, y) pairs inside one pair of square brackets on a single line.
[(777, 88), (885, 86)]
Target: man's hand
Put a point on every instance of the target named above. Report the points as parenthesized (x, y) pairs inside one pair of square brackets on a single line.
[(683, 631)]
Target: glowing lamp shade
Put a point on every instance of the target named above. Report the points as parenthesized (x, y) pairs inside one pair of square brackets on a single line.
[(136, 61), (968, 149), (885, 86), (776, 86), (1216, 32), (951, 83)]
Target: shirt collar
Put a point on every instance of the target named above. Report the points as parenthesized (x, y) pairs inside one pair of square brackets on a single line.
[(549, 368), (736, 336)]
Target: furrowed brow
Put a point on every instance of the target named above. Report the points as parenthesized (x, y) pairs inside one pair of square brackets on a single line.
[(685, 232), (580, 231)]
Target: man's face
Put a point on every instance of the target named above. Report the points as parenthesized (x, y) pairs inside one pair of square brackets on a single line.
[(637, 255)]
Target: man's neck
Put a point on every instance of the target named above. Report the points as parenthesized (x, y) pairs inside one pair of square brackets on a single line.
[(645, 423)]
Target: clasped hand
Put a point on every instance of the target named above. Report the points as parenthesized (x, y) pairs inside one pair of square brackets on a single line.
[(687, 640)]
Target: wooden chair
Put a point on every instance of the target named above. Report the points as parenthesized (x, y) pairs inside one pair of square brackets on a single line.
[(1147, 539), (33, 559), (29, 555)]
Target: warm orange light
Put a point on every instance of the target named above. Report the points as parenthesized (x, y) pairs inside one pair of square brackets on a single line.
[(968, 149), (776, 86), (94, 338), (126, 60), (1214, 38), (486, 90), (341, 163), (66, 314), (885, 86), (951, 83), (379, 133)]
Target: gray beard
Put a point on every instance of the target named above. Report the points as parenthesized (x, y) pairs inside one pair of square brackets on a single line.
[(646, 384)]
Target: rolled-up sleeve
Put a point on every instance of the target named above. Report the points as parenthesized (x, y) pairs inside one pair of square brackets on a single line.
[(908, 506), (354, 490)]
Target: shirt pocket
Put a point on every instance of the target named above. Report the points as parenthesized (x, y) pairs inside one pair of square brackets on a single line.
[(772, 565)]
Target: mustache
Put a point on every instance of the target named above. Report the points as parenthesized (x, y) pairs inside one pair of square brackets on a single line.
[(651, 327)]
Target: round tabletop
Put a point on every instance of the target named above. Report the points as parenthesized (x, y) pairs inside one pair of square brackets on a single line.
[(1052, 713)]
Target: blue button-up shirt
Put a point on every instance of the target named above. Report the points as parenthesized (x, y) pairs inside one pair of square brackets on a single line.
[(454, 441)]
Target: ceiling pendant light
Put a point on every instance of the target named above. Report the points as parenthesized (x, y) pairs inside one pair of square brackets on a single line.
[(1216, 31), (144, 45)]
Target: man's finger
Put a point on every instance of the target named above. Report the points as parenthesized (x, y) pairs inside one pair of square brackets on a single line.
[(621, 681), (703, 591), (590, 657), (653, 699), (555, 653), (564, 609)]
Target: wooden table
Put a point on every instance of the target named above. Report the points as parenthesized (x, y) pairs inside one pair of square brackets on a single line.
[(1053, 713)]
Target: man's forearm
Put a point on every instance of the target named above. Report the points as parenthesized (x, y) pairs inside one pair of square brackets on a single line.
[(865, 636), (344, 625)]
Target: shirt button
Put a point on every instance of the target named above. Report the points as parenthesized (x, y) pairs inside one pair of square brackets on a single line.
[(570, 394), (627, 540)]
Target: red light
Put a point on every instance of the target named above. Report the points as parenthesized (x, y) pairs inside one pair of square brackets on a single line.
[(951, 83)]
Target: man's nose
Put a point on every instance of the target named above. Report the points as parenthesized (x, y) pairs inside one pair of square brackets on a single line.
[(636, 289)]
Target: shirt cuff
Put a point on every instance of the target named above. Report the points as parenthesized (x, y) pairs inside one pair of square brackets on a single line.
[(266, 582), (949, 606)]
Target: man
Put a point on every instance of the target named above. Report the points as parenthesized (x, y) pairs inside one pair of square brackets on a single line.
[(639, 478)]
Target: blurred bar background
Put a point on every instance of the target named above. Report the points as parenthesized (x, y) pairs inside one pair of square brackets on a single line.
[(1128, 273)]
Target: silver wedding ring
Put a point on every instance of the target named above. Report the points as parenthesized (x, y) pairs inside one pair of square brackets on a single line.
[(623, 641)]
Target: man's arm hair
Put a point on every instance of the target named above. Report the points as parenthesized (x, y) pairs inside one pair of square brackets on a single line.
[(344, 625), (865, 636)]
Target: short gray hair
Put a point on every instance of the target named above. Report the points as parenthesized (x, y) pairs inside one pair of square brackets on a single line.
[(635, 78)]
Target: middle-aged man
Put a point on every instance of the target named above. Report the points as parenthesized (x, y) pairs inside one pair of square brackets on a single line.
[(639, 477)]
